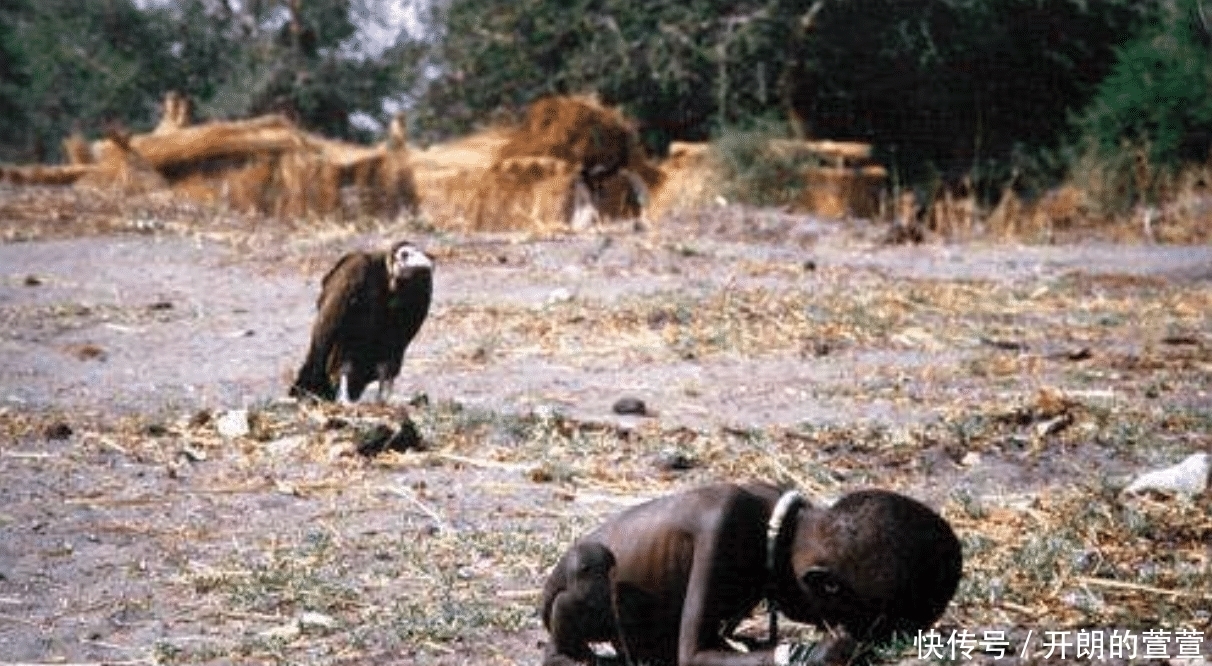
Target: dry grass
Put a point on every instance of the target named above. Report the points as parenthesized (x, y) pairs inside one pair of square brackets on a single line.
[(524, 178), (1091, 204), (383, 561), (691, 181), (263, 165)]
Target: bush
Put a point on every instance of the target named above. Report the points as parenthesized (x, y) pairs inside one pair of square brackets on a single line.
[(755, 174), (1153, 112)]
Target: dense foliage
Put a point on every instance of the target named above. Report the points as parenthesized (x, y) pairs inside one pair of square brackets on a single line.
[(987, 88), (961, 86), (79, 66), (951, 86), (1159, 95), (12, 74)]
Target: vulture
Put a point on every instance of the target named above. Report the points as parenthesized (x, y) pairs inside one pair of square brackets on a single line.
[(371, 305)]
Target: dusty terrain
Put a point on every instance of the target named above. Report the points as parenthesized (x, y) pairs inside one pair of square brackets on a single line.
[(1016, 388)]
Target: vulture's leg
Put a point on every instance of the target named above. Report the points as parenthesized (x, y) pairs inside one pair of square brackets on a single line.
[(385, 384), (343, 388)]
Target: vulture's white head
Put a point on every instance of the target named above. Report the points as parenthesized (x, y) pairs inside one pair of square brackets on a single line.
[(406, 261)]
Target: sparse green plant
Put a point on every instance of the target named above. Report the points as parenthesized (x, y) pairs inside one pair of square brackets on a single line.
[(756, 174), (1153, 112)]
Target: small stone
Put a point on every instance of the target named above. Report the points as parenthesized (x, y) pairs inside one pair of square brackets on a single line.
[(285, 632), (671, 459), (1189, 477), (546, 412), (372, 441), (407, 438), (971, 459), (540, 474), (89, 352), (559, 295), (58, 430), (193, 454), (1053, 425), (200, 418), (1078, 354), (314, 620), (335, 423), (233, 424), (630, 405)]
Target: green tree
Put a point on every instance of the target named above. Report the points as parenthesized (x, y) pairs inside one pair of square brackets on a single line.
[(940, 86), (959, 86), (290, 56), (1159, 94), (680, 68), (86, 64), (67, 65), (12, 73)]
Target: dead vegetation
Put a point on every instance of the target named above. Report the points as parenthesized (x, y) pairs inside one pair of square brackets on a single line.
[(1080, 208), (264, 165), (568, 164), (572, 163), (438, 555)]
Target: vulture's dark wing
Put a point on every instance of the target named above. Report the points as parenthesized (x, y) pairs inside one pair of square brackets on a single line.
[(341, 290)]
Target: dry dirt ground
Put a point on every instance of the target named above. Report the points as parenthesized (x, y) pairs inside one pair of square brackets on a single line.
[(1016, 388)]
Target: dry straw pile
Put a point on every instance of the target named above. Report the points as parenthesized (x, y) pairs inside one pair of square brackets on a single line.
[(569, 163), (263, 165)]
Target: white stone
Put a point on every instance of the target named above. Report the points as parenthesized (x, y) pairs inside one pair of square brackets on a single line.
[(314, 620), (233, 423), (285, 632), (1189, 477), (559, 295)]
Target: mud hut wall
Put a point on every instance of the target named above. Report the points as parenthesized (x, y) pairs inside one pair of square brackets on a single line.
[(78, 150), (615, 196), (396, 187), (62, 174), (250, 188)]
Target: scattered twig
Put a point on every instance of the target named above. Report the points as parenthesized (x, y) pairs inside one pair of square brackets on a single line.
[(1008, 345), (408, 494), (107, 443), (19, 620), (107, 646), (255, 617), (28, 455), (1138, 587), (486, 464), (1018, 608), (1180, 339), (520, 594)]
